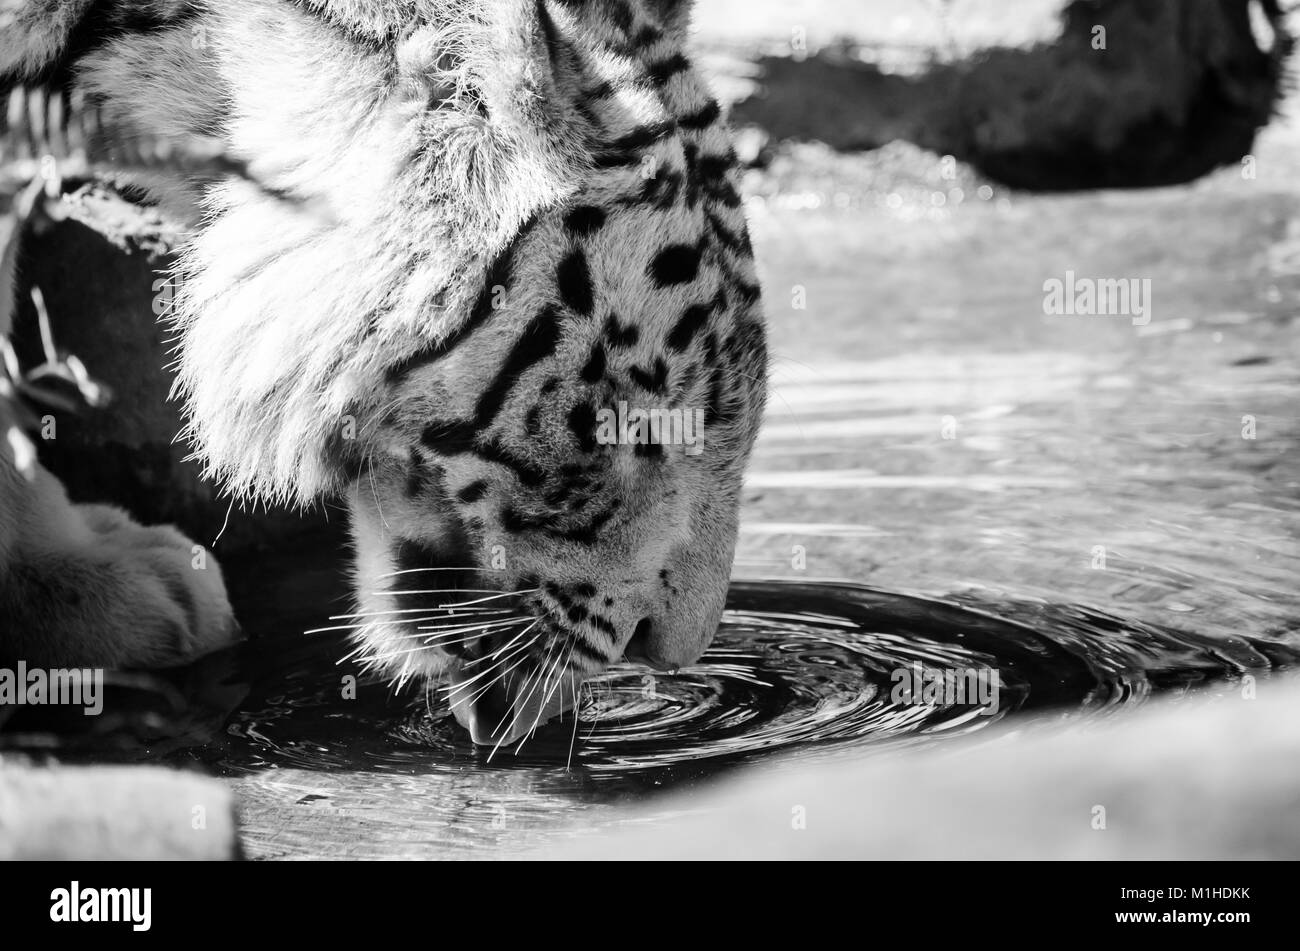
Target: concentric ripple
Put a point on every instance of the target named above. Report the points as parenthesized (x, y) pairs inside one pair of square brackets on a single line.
[(795, 667)]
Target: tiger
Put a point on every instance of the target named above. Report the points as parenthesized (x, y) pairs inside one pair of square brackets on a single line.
[(486, 255)]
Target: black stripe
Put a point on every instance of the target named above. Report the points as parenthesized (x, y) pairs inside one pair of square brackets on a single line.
[(621, 15), (718, 412), (620, 335), (536, 343), (666, 69), (702, 119), (661, 191), (723, 193), (528, 473), (655, 380), (500, 274), (573, 278), (688, 325), (626, 150), (585, 220), (749, 293), (648, 35), (715, 167), (458, 439), (605, 626), (596, 363), (676, 264), (726, 237), (473, 492), (449, 437), (593, 655), (582, 423), (616, 159), (643, 137)]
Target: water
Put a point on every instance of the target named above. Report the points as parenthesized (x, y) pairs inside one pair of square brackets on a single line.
[(805, 669), (796, 667)]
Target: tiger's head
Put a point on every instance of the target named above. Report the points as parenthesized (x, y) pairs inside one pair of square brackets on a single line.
[(579, 442), (500, 294), (581, 446)]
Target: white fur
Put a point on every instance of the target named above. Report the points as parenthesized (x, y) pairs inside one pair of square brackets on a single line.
[(289, 312), (413, 140)]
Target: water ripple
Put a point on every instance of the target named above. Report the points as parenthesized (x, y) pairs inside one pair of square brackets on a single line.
[(796, 667)]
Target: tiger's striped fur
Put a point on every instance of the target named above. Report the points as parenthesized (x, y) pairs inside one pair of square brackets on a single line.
[(507, 216)]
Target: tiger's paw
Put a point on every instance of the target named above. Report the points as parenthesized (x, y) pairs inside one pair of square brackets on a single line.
[(176, 607)]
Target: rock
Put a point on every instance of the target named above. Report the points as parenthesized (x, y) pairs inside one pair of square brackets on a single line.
[(1182, 779), (1132, 93), (98, 813)]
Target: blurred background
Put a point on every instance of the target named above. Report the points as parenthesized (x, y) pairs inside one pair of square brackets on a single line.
[(921, 169)]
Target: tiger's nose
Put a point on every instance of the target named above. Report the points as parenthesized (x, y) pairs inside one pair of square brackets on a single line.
[(648, 647), (638, 647)]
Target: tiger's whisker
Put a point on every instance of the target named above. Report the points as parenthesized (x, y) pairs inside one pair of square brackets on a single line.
[(488, 686), (426, 608), (558, 673), (534, 675), (411, 571), (339, 627), (507, 594), (500, 594), (460, 625), (537, 716), (512, 712), (492, 667), (389, 655), (536, 621), (573, 740), (452, 688), (446, 631)]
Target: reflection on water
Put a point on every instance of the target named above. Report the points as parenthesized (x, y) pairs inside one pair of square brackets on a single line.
[(933, 429)]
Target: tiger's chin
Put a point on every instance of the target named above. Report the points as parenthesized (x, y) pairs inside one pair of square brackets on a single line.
[(501, 712), (475, 636)]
